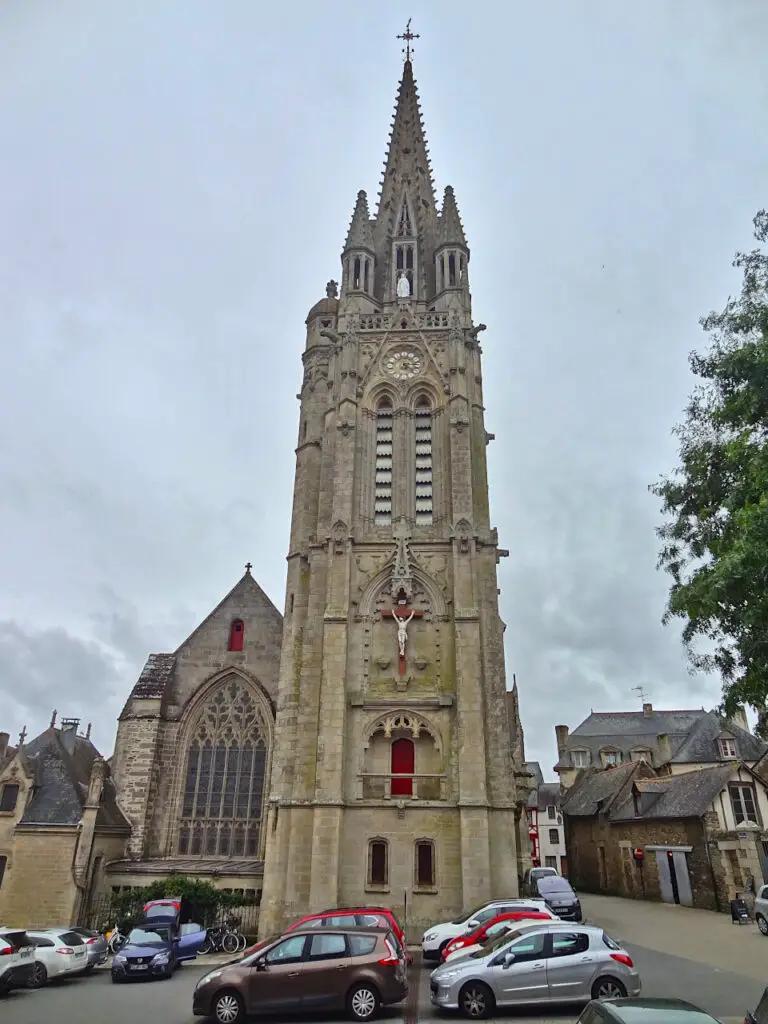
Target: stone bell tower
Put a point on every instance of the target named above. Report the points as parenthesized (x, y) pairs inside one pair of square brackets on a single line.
[(393, 779)]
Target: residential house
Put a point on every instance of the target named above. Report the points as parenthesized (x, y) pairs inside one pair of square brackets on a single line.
[(59, 826), (545, 822), (691, 838), (672, 742)]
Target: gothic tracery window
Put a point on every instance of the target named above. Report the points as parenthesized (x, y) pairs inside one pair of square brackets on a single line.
[(423, 449), (383, 488), (224, 782)]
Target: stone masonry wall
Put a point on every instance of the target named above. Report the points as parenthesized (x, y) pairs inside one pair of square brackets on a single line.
[(41, 889)]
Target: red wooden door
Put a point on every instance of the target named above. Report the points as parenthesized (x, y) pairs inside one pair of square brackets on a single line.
[(403, 761)]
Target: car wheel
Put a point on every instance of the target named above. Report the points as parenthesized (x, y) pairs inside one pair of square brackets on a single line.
[(608, 988), (441, 950), (228, 1008), (39, 975), (476, 1000), (363, 1003), (762, 924)]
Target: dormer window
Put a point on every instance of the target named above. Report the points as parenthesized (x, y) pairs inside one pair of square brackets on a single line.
[(641, 754), (580, 758), (728, 748), (610, 758)]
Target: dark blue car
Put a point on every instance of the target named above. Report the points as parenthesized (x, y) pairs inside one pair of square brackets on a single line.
[(156, 947)]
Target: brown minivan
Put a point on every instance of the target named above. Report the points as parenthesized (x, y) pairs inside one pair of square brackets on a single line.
[(352, 969)]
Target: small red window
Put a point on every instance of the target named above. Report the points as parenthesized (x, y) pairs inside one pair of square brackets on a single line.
[(236, 635)]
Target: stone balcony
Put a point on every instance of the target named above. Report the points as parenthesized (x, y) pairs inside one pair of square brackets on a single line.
[(373, 786)]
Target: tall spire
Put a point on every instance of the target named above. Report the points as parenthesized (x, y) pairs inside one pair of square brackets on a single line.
[(360, 234), (407, 167), (450, 228)]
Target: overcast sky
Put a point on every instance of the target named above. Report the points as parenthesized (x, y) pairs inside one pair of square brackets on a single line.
[(176, 182)]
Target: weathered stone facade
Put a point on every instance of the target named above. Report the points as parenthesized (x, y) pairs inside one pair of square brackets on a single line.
[(391, 505)]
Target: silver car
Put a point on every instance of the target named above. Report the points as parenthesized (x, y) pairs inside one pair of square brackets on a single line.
[(551, 963)]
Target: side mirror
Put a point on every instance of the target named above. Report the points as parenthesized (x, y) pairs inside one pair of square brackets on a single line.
[(509, 959), (261, 965), (473, 923)]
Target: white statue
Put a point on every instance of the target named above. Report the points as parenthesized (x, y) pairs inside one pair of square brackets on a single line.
[(403, 287), (402, 631)]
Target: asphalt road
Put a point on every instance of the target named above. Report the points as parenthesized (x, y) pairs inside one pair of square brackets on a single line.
[(96, 999)]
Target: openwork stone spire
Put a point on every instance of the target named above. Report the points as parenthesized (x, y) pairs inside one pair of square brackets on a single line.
[(360, 234), (407, 167), (450, 228)]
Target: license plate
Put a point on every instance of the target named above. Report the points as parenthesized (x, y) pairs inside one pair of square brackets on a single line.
[(26, 953), (80, 953), (139, 967)]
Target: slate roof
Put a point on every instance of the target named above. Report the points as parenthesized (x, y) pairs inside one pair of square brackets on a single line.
[(548, 795), (691, 736), (61, 767), (675, 796), (191, 865), (155, 676), (700, 745), (597, 788)]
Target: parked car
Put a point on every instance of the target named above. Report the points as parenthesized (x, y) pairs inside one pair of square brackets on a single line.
[(643, 1011), (495, 928), (95, 945), (548, 963), (437, 937), (58, 951), (761, 909), (760, 1014), (560, 897), (355, 917), (154, 949), (322, 969), (530, 876), (17, 959)]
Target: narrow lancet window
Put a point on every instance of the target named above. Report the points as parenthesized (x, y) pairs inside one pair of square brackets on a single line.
[(423, 449), (383, 487)]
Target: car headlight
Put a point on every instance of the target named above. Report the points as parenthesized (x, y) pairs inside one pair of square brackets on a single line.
[(430, 936), (207, 977), (160, 958), (447, 976)]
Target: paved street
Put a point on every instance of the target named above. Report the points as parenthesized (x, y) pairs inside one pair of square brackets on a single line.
[(705, 974)]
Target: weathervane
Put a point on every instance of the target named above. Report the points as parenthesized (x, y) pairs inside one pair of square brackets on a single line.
[(408, 36)]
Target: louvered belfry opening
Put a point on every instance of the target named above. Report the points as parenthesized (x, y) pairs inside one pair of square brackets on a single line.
[(423, 446), (383, 493)]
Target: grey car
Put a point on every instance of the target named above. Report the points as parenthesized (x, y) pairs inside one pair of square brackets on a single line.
[(553, 963), (95, 945), (560, 897)]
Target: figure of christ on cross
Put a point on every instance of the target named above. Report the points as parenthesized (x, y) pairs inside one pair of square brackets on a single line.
[(402, 616)]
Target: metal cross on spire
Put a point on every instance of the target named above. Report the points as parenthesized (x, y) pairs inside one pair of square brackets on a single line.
[(408, 36)]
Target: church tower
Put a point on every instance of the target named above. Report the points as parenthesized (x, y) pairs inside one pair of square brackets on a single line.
[(396, 762)]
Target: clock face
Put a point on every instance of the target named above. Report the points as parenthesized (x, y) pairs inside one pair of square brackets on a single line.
[(403, 365)]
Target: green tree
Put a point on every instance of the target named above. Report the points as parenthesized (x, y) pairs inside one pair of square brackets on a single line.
[(128, 905), (715, 537)]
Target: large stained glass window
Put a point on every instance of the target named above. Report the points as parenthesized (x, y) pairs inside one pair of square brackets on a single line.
[(224, 782)]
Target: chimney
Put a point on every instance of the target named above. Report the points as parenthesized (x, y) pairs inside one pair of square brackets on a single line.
[(4, 738), (69, 733), (561, 736), (665, 751), (647, 710), (740, 719)]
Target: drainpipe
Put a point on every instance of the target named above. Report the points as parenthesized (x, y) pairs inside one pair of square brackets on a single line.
[(718, 908)]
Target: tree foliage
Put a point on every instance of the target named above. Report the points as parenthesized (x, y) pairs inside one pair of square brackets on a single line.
[(210, 901), (715, 537)]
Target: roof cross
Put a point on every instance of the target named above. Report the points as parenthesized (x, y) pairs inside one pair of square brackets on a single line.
[(22, 735), (408, 36), (248, 567)]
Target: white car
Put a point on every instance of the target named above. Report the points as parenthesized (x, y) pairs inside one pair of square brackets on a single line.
[(17, 959), (495, 932), (57, 952), (438, 936)]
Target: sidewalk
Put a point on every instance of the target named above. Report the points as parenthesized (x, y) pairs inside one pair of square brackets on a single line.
[(699, 935)]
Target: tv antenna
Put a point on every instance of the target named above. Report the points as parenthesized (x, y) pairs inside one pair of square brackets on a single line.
[(640, 692)]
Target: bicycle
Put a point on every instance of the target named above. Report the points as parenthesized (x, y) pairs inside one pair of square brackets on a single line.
[(115, 940), (223, 938)]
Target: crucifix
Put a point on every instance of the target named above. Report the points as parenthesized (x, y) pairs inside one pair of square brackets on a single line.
[(22, 736), (402, 615)]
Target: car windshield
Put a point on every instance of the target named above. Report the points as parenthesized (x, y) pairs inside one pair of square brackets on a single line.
[(468, 917), (490, 948), (148, 936), (500, 928), (553, 883)]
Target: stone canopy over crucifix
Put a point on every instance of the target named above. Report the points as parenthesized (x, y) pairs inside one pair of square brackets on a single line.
[(402, 590)]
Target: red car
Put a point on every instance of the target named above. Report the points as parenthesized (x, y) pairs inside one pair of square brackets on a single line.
[(493, 928), (365, 917)]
